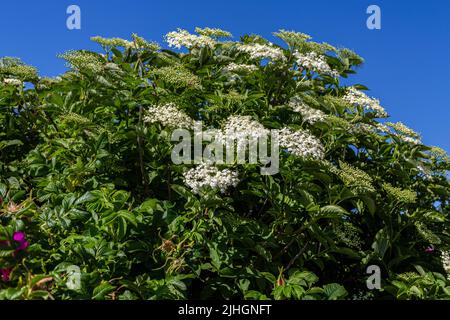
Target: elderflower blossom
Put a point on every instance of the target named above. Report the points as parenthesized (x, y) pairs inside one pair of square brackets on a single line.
[(361, 128), (213, 32), (310, 115), (349, 234), (206, 175), (445, 257), (182, 38), (241, 129), (83, 60), (20, 71), (292, 38), (404, 133), (359, 98), (382, 128), (178, 76), (301, 143), (427, 234), (403, 129), (12, 82), (353, 178), (168, 115), (439, 155), (262, 51), (405, 196), (141, 43), (314, 61), (112, 42), (409, 139), (234, 67)]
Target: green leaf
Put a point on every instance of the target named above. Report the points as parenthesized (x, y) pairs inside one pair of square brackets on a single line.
[(334, 291), (381, 243), (333, 211), (102, 290)]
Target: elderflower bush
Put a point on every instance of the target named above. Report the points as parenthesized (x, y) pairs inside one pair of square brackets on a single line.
[(92, 206)]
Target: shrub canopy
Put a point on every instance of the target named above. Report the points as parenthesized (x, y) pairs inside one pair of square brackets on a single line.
[(91, 205)]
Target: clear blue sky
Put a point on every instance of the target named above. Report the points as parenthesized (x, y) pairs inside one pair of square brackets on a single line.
[(407, 61)]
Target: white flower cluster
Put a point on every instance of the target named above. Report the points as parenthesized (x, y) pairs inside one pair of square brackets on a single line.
[(400, 130), (84, 60), (314, 61), (291, 37), (168, 115), (12, 82), (207, 175), (382, 128), (213, 32), (262, 51), (445, 257), (234, 67), (182, 38), (310, 115), (301, 143), (410, 139), (241, 129), (239, 126), (359, 98), (361, 128), (405, 134)]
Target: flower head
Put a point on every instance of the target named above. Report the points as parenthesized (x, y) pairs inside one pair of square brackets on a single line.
[(213, 32), (20, 237), (83, 61), (234, 67), (315, 62), (112, 42), (309, 115), (182, 38), (6, 274), (358, 98), (445, 257), (168, 115), (208, 176), (429, 249), (262, 51), (301, 143)]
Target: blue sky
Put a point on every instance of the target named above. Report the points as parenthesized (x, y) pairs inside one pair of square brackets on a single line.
[(407, 61)]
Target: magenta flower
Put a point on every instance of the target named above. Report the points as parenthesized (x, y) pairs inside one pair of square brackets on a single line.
[(429, 249), (20, 237), (6, 273)]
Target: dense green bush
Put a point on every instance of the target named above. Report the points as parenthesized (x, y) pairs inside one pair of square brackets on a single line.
[(91, 205)]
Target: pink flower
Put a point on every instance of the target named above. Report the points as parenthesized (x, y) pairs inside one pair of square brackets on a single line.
[(6, 273), (19, 236), (429, 249)]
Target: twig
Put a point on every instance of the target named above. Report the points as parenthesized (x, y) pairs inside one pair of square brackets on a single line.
[(297, 255)]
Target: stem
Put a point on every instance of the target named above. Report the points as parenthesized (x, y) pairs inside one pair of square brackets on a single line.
[(141, 155), (296, 256)]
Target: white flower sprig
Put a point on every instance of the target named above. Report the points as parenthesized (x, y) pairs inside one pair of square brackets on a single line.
[(168, 115), (208, 176), (234, 67), (359, 98), (301, 143), (315, 62), (182, 38), (262, 51), (445, 257), (309, 115), (12, 82)]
